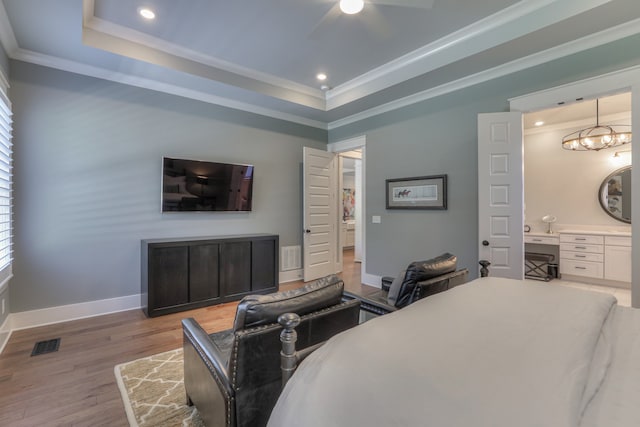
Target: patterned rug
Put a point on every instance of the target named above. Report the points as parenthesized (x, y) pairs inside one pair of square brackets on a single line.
[(152, 389)]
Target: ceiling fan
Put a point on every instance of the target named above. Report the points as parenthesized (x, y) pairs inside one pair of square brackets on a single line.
[(374, 19)]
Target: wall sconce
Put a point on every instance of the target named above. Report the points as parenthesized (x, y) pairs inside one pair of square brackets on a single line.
[(620, 158)]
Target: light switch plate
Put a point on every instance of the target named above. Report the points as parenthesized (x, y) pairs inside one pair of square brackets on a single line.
[(376, 219)]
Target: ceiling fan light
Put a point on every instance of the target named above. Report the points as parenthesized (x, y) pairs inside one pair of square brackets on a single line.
[(351, 7)]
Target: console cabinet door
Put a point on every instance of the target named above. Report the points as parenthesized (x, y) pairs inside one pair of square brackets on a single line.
[(169, 273), (204, 283), (263, 264), (235, 267)]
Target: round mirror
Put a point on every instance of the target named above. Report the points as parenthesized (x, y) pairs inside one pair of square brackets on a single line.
[(615, 194)]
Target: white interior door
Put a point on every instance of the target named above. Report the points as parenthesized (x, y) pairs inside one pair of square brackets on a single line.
[(320, 240), (501, 193)]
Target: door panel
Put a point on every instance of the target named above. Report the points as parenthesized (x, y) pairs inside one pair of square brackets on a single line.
[(320, 218), (501, 193)]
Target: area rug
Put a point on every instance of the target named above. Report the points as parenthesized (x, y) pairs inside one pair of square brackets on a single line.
[(152, 389)]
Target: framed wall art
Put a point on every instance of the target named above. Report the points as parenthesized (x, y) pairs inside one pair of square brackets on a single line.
[(422, 192)]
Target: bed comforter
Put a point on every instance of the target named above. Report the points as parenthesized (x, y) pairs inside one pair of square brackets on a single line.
[(494, 352)]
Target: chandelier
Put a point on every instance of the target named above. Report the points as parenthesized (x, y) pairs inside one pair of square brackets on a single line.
[(597, 137)]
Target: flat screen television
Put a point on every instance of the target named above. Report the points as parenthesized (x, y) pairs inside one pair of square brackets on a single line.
[(192, 185)]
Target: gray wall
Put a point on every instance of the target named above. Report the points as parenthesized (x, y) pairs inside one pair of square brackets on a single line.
[(87, 180), (439, 136)]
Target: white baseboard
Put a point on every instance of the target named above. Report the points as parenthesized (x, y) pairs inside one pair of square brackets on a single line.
[(5, 332), (291, 275), (65, 313), (372, 280)]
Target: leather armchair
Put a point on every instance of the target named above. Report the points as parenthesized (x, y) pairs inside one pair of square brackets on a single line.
[(419, 280), (233, 377)]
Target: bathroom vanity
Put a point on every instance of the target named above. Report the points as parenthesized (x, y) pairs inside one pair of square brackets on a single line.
[(591, 256)]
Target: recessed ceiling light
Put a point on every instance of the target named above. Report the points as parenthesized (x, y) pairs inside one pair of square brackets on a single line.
[(321, 76), (539, 123), (146, 13), (351, 7)]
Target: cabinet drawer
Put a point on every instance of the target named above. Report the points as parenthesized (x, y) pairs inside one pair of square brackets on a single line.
[(579, 247), (582, 238), (582, 256), (581, 268), (543, 240), (617, 240)]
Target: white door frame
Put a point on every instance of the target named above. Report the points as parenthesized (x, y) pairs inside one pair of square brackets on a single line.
[(626, 80), (355, 143)]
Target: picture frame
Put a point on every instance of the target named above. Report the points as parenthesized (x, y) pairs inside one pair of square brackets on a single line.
[(421, 192)]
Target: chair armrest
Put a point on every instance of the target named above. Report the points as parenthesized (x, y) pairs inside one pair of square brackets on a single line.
[(196, 338), (375, 303)]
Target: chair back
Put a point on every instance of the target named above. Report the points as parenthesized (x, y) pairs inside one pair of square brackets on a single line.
[(254, 364)]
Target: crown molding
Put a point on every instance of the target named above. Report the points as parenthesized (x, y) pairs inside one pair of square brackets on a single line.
[(10, 45), (134, 44), (507, 24), (560, 51), (7, 37), (101, 73), (138, 38)]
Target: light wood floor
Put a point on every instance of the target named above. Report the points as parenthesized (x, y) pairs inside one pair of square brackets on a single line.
[(75, 386)]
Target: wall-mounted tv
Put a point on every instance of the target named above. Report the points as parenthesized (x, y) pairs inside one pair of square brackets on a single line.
[(191, 185)]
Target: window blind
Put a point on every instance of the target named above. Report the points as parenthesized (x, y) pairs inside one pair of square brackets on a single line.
[(6, 156)]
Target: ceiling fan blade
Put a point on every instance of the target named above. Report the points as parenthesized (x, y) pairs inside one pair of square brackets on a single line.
[(420, 4), (331, 16)]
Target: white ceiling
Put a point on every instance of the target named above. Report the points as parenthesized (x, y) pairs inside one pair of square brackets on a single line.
[(263, 56), (582, 112)]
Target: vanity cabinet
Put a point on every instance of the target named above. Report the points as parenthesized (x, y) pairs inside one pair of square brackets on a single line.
[(181, 274), (597, 256), (617, 256), (582, 255)]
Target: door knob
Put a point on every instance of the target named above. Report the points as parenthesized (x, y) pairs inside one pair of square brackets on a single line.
[(485, 243), (307, 231)]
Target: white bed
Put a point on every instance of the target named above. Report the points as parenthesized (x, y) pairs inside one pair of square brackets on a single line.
[(494, 352)]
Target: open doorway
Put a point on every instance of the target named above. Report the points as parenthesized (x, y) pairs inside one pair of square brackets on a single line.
[(353, 151), (350, 217), (567, 196)]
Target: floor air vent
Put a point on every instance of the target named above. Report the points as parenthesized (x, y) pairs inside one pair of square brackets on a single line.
[(48, 346)]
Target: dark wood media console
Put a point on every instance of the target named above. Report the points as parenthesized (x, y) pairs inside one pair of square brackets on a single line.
[(182, 274)]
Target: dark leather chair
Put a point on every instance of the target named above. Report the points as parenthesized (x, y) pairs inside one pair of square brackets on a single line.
[(233, 377), (420, 279)]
